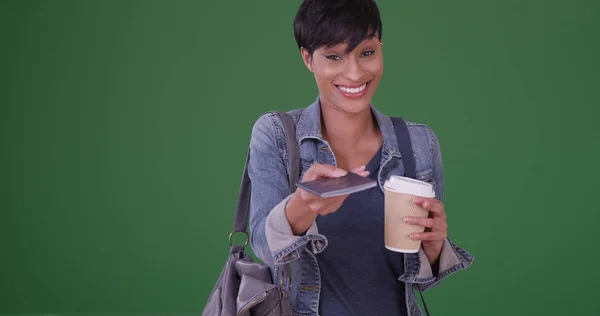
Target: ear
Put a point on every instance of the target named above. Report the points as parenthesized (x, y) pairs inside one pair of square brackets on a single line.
[(307, 58)]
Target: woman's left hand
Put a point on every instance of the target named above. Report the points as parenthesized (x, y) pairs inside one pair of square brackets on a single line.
[(435, 225)]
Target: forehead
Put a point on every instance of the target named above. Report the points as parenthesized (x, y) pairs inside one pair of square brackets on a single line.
[(344, 46)]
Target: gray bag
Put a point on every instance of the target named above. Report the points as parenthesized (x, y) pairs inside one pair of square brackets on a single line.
[(245, 288)]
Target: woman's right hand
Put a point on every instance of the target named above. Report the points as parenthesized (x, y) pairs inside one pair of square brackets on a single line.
[(304, 207)]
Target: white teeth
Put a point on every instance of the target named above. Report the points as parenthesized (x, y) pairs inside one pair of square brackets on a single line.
[(353, 90)]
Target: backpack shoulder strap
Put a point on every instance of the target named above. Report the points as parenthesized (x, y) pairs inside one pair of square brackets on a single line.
[(293, 166), (240, 222), (405, 147), (293, 149), (410, 166), (242, 210)]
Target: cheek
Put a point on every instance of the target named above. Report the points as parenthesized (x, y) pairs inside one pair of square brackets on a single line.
[(325, 72), (375, 67)]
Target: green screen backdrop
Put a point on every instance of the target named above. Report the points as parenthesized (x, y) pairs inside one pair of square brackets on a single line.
[(124, 127)]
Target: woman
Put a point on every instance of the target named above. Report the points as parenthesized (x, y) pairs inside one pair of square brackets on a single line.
[(333, 246)]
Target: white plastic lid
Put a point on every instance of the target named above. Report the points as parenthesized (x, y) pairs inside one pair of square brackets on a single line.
[(410, 186)]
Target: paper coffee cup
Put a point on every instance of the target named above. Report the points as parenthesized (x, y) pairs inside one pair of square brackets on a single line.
[(400, 193)]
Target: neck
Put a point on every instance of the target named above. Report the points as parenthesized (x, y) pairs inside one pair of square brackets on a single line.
[(346, 128)]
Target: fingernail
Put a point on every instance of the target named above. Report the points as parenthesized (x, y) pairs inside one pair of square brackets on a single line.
[(407, 219)]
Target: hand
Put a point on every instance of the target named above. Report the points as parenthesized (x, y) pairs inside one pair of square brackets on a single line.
[(436, 227), (317, 204), (304, 207)]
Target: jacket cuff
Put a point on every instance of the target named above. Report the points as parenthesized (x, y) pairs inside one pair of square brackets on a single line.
[(283, 244), (452, 259)]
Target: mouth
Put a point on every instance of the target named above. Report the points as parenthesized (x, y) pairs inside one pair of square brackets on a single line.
[(353, 92)]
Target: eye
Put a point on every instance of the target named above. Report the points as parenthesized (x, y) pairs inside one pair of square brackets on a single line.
[(368, 53), (333, 57)]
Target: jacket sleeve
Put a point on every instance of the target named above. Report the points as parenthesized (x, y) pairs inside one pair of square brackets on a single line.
[(452, 257), (271, 236)]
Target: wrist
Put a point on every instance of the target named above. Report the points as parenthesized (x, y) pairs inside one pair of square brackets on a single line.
[(433, 252), (298, 215)]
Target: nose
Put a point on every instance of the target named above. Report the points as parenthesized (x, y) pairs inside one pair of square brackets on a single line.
[(353, 70)]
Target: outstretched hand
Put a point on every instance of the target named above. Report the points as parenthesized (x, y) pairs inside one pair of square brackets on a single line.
[(304, 207)]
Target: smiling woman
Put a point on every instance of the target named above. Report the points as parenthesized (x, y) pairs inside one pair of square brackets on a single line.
[(334, 246), (347, 60), (354, 74)]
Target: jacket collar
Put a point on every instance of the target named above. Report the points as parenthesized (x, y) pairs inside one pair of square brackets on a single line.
[(309, 127)]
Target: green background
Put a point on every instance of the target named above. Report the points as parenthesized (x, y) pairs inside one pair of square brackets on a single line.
[(124, 127)]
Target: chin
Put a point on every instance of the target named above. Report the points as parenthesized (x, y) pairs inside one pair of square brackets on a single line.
[(355, 106)]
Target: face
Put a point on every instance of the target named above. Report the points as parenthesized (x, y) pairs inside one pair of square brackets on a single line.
[(347, 82)]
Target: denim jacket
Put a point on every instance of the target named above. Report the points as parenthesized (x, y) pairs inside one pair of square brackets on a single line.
[(271, 236)]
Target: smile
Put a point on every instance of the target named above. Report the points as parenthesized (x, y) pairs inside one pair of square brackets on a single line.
[(353, 91)]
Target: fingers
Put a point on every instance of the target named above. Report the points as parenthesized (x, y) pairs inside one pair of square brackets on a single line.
[(318, 170), (361, 171), (433, 223), (436, 227), (433, 205), (324, 206), (429, 236)]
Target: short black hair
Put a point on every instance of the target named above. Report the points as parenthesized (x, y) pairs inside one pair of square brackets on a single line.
[(327, 23)]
